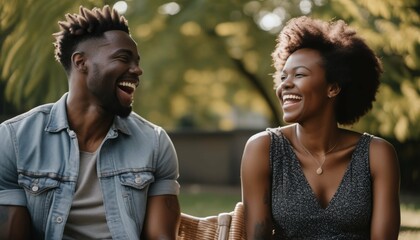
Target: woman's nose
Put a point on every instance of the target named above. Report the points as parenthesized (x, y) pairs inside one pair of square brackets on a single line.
[(286, 83)]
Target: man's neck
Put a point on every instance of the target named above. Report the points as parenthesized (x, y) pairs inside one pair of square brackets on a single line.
[(90, 125)]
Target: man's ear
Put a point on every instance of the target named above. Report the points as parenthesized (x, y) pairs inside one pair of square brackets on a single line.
[(79, 62), (333, 90)]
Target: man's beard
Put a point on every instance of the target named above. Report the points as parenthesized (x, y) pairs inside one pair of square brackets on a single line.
[(124, 111), (113, 105)]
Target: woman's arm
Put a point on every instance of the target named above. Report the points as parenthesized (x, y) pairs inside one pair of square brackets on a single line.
[(386, 186), (256, 187)]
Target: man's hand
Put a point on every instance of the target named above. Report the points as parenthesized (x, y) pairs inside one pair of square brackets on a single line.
[(15, 223)]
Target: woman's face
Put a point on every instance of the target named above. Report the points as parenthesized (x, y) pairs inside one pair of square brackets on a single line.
[(303, 91)]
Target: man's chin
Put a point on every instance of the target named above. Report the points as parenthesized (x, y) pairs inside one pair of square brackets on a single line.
[(124, 112)]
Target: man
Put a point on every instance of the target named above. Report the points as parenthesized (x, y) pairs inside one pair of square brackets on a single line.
[(87, 167)]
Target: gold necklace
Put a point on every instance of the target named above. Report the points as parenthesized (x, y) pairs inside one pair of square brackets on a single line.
[(319, 170)]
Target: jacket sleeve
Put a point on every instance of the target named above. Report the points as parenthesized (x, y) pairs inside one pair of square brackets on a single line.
[(166, 162), (10, 191)]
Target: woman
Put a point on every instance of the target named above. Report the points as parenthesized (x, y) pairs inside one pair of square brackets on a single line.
[(313, 179)]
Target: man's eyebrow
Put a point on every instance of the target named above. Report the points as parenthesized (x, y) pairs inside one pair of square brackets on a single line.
[(123, 51)]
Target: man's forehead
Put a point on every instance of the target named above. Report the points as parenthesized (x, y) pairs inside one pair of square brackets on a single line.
[(112, 38), (115, 36)]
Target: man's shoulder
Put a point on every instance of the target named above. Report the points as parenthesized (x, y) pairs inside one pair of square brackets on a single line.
[(39, 111), (144, 124)]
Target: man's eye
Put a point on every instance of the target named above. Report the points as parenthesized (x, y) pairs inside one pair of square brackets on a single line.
[(283, 77), (123, 58)]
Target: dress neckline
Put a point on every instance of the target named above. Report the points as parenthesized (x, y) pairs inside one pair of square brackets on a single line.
[(305, 180)]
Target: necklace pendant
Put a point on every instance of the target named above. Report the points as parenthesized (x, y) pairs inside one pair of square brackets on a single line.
[(319, 171)]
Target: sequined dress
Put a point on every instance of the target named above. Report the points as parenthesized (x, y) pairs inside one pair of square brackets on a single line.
[(296, 211)]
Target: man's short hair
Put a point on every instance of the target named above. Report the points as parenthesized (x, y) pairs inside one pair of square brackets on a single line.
[(87, 24)]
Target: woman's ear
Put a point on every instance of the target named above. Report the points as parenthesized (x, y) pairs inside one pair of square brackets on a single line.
[(333, 90), (78, 62)]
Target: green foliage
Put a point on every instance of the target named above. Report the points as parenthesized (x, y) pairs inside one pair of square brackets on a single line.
[(409, 155), (27, 64), (207, 63), (392, 29)]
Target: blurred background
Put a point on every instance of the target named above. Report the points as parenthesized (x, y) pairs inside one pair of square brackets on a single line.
[(207, 73)]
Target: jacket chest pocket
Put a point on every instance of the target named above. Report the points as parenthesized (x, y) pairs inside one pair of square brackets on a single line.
[(136, 180), (39, 192), (36, 186), (134, 192)]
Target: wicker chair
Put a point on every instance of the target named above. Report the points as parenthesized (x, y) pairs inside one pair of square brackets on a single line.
[(204, 228), (224, 226), (237, 226)]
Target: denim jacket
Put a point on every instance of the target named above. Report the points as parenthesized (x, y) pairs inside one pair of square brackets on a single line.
[(39, 163)]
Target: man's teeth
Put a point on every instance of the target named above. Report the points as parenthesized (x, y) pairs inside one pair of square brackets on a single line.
[(128, 84), (291, 97)]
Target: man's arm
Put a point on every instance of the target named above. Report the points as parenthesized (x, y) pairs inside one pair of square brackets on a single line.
[(162, 218), (15, 223)]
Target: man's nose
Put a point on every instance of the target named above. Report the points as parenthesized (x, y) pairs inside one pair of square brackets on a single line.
[(136, 70)]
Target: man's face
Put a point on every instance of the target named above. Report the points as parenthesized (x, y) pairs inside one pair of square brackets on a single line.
[(113, 72)]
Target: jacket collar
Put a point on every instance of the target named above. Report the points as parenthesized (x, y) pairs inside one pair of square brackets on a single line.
[(58, 119)]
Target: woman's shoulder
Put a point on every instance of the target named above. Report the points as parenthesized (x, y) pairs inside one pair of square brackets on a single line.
[(286, 131), (380, 143), (381, 150), (256, 154), (382, 154), (266, 135), (258, 140), (375, 143)]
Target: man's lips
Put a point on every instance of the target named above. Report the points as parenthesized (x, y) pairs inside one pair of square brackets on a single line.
[(128, 87), (125, 92)]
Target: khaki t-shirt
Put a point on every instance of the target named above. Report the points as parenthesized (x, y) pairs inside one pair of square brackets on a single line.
[(87, 214)]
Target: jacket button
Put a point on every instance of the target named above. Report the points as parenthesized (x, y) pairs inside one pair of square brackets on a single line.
[(59, 219), (35, 188), (137, 180)]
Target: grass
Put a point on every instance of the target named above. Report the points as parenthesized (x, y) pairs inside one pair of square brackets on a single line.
[(410, 216), (204, 201)]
